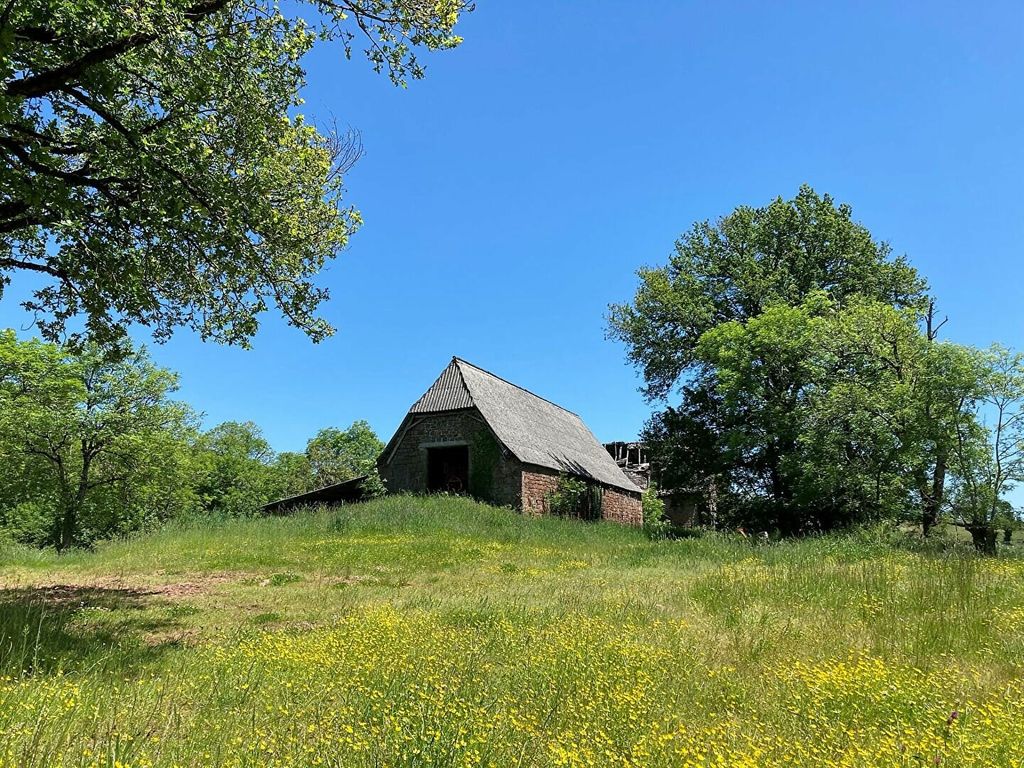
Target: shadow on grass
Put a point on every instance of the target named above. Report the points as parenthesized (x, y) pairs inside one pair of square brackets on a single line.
[(73, 628)]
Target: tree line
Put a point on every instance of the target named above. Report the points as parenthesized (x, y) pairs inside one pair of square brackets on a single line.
[(802, 383), (156, 171), (94, 445)]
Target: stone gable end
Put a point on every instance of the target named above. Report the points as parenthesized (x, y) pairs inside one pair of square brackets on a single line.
[(495, 475)]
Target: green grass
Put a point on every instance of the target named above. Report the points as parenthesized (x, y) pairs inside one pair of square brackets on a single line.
[(437, 631)]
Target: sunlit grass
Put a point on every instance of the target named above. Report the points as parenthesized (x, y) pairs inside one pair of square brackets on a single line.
[(441, 632)]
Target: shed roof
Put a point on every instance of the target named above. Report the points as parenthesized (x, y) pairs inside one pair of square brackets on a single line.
[(347, 490), (535, 430)]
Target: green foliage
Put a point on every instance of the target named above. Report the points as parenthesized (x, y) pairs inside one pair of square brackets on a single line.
[(31, 521), (155, 167), (736, 268), (90, 443), (830, 415), (655, 524), (293, 473), (238, 477), (567, 498), (243, 473), (92, 447), (574, 497), (814, 393), (337, 455)]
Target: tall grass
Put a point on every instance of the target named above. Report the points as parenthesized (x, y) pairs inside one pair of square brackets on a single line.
[(437, 631)]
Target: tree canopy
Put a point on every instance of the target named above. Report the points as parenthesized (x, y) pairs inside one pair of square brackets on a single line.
[(93, 445), (737, 267), (814, 391), (154, 166), (336, 455), (239, 469)]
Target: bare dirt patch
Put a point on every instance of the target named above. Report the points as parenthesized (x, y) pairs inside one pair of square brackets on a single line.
[(95, 592)]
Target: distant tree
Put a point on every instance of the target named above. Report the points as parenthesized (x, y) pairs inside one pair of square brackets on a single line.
[(817, 416), (94, 441), (153, 165), (988, 457), (292, 473), (336, 455), (239, 475)]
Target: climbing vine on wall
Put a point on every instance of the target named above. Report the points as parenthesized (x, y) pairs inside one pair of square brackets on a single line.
[(484, 458)]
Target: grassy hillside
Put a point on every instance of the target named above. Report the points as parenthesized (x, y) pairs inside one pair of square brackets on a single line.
[(416, 632)]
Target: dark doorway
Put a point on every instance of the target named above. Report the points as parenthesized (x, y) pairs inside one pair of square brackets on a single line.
[(448, 469)]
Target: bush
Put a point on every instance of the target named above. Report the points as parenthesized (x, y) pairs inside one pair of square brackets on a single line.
[(573, 497), (30, 522), (655, 524)]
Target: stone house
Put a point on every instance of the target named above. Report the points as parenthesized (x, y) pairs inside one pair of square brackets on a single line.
[(473, 432), (684, 507)]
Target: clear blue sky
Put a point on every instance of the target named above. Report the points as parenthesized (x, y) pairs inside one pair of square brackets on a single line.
[(512, 194)]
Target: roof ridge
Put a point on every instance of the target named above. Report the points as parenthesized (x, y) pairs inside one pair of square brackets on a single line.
[(458, 359), (465, 383)]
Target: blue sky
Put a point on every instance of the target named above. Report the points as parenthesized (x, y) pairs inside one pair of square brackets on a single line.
[(512, 194)]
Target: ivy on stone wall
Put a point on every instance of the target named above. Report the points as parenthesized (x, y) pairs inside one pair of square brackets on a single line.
[(484, 457)]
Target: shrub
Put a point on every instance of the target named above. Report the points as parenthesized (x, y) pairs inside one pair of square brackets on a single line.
[(30, 522), (574, 497), (655, 524)]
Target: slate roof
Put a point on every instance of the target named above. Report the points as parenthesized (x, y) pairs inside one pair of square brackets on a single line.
[(535, 430)]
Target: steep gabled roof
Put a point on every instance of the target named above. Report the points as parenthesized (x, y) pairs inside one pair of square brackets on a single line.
[(535, 430)]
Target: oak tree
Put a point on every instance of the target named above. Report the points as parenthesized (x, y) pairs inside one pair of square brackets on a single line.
[(741, 322), (154, 166)]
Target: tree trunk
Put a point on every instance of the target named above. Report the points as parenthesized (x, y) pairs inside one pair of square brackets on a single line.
[(69, 525), (929, 516), (984, 537), (933, 498)]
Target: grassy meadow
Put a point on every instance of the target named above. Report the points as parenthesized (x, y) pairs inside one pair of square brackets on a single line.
[(441, 632)]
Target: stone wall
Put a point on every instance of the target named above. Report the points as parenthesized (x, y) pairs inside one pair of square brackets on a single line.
[(406, 472), (682, 508), (495, 476), (618, 506), (537, 484), (622, 507)]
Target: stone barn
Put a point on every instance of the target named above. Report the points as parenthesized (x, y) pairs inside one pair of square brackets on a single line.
[(473, 432)]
